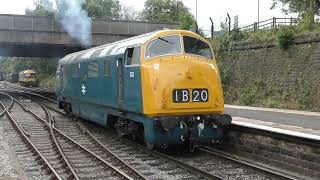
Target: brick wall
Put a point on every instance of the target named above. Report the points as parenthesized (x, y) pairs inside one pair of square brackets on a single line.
[(290, 77), (292, 154)]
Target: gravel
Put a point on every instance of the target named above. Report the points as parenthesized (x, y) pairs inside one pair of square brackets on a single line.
[(7, 169)]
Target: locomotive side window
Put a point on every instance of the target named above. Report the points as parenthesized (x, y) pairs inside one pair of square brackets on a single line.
[(93, 69), (133, 56), (196, 46), (136, 55), (76, 70), (163, 46), (106, 68)]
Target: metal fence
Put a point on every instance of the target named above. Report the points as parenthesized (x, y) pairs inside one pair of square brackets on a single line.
[(272, 23)]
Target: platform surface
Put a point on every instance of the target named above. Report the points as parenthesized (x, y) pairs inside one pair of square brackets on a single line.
[(305, 119), (297, 123)]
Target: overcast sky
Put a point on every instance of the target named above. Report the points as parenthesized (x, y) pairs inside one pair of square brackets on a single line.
[(217, 9)]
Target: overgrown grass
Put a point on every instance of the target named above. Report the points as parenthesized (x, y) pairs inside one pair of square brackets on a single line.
[(259, 93), (283, 35)]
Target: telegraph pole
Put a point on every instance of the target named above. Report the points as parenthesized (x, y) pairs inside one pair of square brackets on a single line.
[(197, 11), (258, 12)]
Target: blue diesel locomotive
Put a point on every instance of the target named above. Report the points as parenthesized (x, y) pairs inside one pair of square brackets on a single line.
[(164, 85)]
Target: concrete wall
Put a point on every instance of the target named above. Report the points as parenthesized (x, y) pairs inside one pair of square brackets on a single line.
[(45, 37), (270, 76), (49, 24)]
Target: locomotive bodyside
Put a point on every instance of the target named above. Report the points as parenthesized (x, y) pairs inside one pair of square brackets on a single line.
[(156, 84)]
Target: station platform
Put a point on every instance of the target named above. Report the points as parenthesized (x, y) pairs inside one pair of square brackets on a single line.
[(290, 122)]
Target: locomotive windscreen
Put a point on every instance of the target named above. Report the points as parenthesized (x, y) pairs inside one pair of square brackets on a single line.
[(166, 45), (196, 46)]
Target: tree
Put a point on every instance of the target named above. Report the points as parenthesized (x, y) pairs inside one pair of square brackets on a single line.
[(306, 9), (41, 8), (129, 13), (103, 9), (168, 11)]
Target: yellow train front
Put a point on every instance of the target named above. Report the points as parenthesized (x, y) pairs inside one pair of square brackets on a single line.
[(27, 78), (164, 85), (182, 89)]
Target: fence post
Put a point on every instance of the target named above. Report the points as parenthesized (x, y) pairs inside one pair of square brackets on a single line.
[(255, 26), (274, 22), (229, 22), (291, 21)]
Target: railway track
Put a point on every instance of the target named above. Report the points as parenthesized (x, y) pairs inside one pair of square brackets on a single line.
[(75, 130), (66, 157), (5, 86), (29, 147), (147, 164), (133, 159), (212, 165), (249, 163)]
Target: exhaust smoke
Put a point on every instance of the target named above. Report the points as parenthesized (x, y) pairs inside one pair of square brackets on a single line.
[(73, 18)]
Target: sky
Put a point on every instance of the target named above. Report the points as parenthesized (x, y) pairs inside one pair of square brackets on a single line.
[(247, 10)]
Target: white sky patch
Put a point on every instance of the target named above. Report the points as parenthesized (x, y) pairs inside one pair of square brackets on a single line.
[(217, 9), (15, 6)]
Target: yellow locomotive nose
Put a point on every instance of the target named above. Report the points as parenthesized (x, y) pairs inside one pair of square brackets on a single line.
[(180, 85)]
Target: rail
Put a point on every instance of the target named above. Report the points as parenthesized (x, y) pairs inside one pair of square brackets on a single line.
[(272, 23)]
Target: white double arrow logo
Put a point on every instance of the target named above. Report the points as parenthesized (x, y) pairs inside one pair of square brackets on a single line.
[(83, 89)]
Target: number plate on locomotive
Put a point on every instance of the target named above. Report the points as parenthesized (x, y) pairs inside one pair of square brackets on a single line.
[(183, 95)]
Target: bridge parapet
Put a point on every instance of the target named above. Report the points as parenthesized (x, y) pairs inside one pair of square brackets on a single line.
[(49, 24), (20, 34)]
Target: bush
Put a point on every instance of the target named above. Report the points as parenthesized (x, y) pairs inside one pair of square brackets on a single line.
[(46, 81), (285, 37)]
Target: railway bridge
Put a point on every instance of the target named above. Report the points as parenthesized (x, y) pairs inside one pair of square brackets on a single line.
[(32, 36)]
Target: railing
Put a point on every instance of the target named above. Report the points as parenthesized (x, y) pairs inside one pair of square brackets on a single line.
[(272, 23)]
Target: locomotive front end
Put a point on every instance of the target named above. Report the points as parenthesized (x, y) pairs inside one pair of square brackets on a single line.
[(182, 91)]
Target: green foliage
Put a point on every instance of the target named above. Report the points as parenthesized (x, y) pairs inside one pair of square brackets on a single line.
[(305, 22), (237, 35), (285, 37), (170, 11), (45, 68), (105, 9), (250, 94), (47, 81), (41, 8), (299, 6), (17, 64), (186, 20)]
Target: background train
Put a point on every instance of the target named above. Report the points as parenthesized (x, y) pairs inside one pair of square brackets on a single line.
[(27, 78), (13, 77), (2, 77), (163, 85)]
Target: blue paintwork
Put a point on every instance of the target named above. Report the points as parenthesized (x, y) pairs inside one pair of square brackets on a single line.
[(100, 99)]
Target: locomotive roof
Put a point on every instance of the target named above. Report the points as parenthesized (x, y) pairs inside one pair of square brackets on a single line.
[(117, 47), (108, 49), (28, 71)]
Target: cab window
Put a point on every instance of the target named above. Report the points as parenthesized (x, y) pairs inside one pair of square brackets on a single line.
[(166, 45), (106, 67), (133, 56), (196, 46), (76, 70), (93, 69)]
